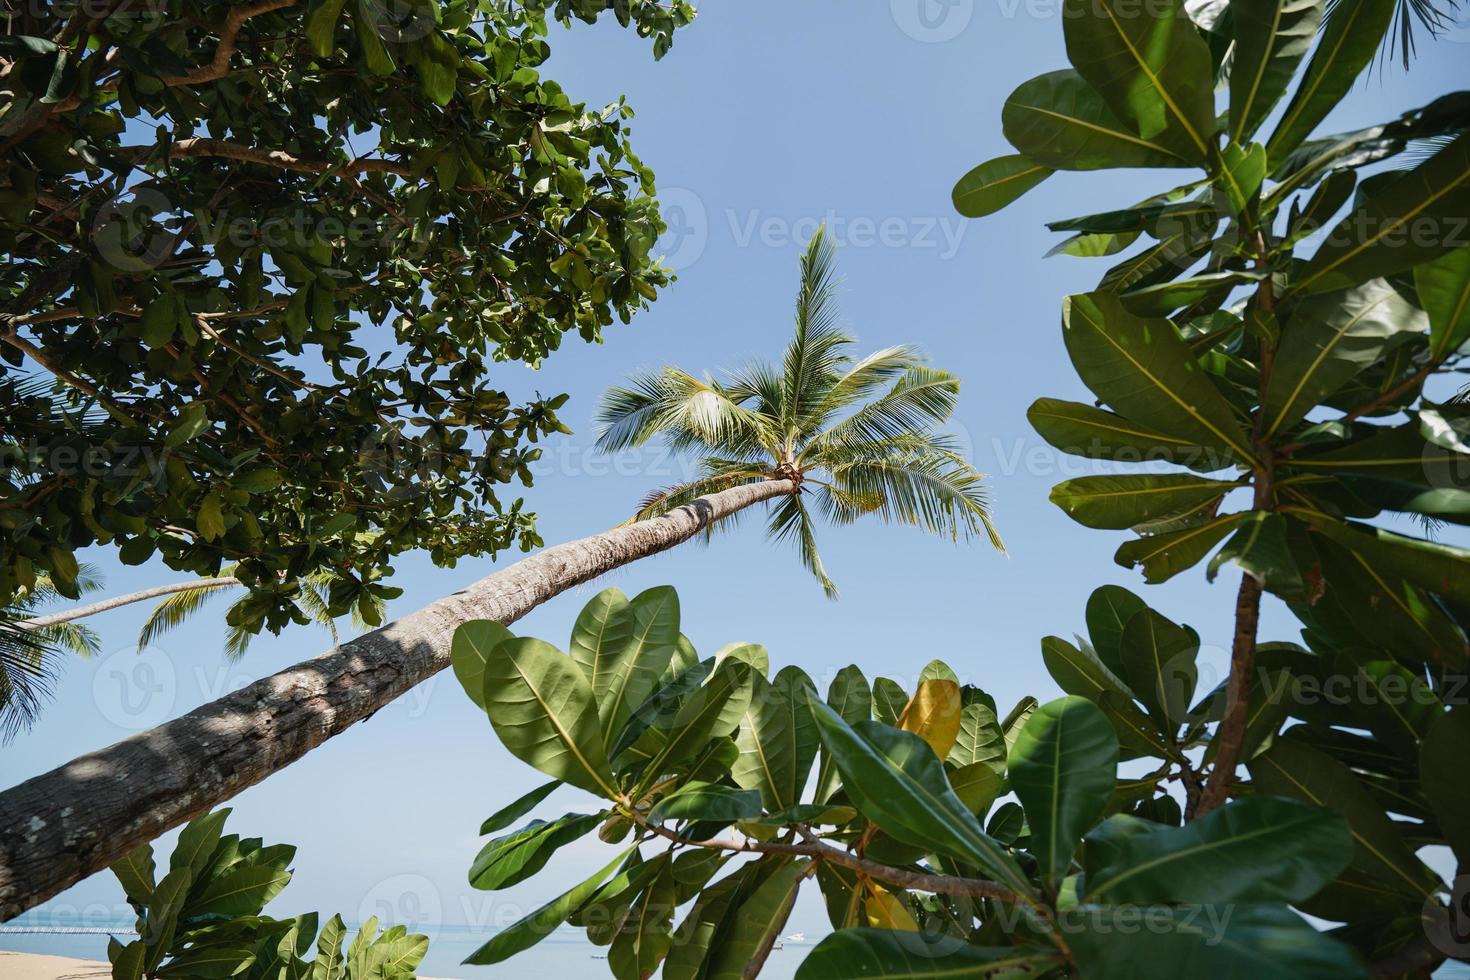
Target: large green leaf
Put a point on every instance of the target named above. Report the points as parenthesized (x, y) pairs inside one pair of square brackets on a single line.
[(1128, 500), (134, 871), (542, 708), (1271, 37), (699, 800), (1058, 120), (1086, 430), (1346, 48), (515, 857), (1167, 553), (1409, 219), (758, 921), (1159, 665), (889, 700), (896, 781), (626, 677), (1063, 767), (1144, 370), (703, 926), (1150, 65), (245, 890), (1442, 774), (601, 634), (1443, 285), (1290, 768), (886, 954), (767, 741), (850, 696), (468, 651), (1259, 849), (980, 738), (706, 714), (1229, 942), (1108, 610), (995, 183), (530, 930), (1328, 340), (647, 932), (1442, 569), (1261, 549)]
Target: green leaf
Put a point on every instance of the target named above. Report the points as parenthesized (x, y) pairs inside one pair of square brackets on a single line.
[(707, 801), (1328, 340), (1443, 285), (529, 931), (1260, 548), (889, 700), (1398, 224), (1258, 849), (1442, 569), (701, 929), (1063, 767), (1241, 173), (980, 739), (1252, 942), (768, 741), (850, 696), (1120, 502), (192, 421), (542, 708), (1166, 554), (468, 652), (1271, 38), (1085, 430), (758, 922), (1108, 610), (1290, 768), (886, 954), (1144, 370), (995, 183), (321, 24), (1351, 37), (244, 891), (626, 678), (1059, 121), (1151, 66), (1442, 774), (365, 19), (978, 784), (328, 963), (601, 634), (512, 812), (515, 857), (647, 933), (134, 872), (1159, 664), (896, 781)]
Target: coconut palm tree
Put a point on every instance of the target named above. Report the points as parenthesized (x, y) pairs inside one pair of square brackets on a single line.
[(855, 435)]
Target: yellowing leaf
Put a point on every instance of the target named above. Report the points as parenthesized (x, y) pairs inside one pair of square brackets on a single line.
[(884, 910), (933, 714)]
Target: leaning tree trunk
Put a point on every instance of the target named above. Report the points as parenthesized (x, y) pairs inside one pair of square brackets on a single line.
[(64, 825)]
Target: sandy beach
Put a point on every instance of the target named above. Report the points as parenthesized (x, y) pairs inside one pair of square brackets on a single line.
[(30, 966)]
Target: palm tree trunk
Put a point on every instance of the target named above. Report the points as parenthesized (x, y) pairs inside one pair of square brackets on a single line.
[(93, 608), (60, 827)]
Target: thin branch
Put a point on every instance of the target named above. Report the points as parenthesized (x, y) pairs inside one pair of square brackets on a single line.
[(219, 65), (199, 146), (14, 339)]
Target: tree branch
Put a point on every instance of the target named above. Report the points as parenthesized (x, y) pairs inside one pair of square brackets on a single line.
[(219, 66), (143, 595), (199, 146)]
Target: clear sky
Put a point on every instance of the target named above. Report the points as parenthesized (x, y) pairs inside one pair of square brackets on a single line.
[(765, 119)]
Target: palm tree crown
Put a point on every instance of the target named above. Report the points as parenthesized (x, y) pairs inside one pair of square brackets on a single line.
[(856, 435)]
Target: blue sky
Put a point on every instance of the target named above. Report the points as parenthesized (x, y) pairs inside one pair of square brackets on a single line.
[(765, 119)]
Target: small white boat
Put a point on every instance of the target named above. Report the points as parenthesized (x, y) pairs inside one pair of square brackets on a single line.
[(795, 937)]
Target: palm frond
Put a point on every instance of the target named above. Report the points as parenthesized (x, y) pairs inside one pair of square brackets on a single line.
[(716, 479), (790, 521), (935, 490), (816, 352), (73, 638), (870, 373), (172, 611), (921, 398), (758, 382), (1434, 16), (29, 667), (691, 413), (314, 600)]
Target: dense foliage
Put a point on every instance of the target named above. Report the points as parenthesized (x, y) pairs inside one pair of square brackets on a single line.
[(203, 918), (269, 252), (922, 873), (857, 435), (1287, 336)]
